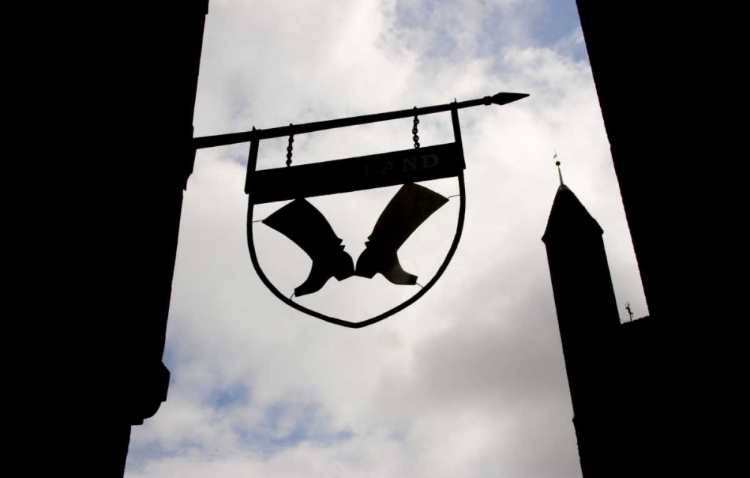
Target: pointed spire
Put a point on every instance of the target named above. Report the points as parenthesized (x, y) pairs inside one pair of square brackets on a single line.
[(568, 215)]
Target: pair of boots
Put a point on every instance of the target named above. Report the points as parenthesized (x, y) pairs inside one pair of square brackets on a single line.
[(301, 222)]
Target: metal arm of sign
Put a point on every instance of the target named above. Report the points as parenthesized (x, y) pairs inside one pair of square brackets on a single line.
[(234, 138)]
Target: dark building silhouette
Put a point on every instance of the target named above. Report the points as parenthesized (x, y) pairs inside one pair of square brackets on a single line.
[(122, 78), (660, 399), (616, 372), (632, 411), (588, 320)]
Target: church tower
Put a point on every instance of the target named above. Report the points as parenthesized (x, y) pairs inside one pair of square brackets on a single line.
[(588, 319)]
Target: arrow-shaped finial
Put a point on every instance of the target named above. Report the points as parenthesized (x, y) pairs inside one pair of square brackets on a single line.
[(505, 98)]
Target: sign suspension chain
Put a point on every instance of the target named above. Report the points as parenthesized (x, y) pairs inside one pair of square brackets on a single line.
[(289, 149), (415, 130)]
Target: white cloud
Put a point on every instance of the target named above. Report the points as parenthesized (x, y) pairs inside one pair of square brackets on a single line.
[(467, 382)]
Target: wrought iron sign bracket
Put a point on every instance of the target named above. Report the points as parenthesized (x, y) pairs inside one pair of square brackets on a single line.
[(247, 136)]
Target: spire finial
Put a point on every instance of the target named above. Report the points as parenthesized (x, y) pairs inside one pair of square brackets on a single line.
[(559, 171)]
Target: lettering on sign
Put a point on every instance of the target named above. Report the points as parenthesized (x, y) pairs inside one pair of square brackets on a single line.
[(354, 174), (407, 164)]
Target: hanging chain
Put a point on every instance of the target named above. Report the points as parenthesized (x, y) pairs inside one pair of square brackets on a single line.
[(415, 130), (289, 149)]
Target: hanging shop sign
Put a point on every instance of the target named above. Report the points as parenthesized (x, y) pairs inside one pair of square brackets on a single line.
[(306, 226)]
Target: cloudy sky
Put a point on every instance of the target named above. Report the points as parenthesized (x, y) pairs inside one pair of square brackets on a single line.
[(468, 382)]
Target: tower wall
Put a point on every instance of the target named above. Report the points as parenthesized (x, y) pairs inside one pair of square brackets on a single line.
[(588, 321)]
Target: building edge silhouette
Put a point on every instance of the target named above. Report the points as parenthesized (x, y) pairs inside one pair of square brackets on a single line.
[(672, 379), (121, 80)]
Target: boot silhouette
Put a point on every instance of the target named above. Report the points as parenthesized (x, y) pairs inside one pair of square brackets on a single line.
[(406, 211), (301, 222)]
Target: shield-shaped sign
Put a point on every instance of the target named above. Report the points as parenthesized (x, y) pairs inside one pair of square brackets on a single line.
[(306, 226)]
